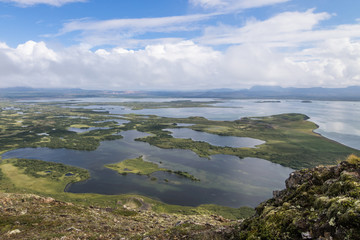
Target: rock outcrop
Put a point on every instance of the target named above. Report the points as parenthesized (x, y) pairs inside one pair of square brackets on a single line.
[(318, 203)]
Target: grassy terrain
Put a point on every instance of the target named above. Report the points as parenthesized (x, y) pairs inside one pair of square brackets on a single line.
[(139, 166), (40, 176), (136, 166), (41, 125), (290, 140)]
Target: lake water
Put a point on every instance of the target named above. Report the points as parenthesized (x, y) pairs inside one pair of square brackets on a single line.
[(225, 180), (216, 140), (82, 130), (337, 120)]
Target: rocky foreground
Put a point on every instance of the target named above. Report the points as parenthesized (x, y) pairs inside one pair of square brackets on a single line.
[(28, 216), (318, 203)]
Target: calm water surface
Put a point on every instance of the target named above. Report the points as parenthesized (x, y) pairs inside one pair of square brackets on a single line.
[(225, 180), (216, 140), (337, 120)]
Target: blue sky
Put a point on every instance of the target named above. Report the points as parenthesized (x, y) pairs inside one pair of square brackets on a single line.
[(179, 44)]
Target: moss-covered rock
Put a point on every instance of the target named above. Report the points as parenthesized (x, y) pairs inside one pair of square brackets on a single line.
[(318, 203)]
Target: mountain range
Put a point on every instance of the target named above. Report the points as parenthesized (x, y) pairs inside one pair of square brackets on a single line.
[(351, 93)]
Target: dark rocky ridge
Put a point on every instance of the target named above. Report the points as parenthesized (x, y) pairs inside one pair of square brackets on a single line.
[(318, 203)]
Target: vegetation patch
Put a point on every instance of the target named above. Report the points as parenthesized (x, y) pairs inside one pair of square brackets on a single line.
[(318, 203), (290, 138), (40, 176), (57, 171), (139, 166), (136, 166)]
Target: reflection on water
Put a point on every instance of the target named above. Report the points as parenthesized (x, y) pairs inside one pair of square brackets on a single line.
[(332, 117), (225, 180), (82, 130), (216, 140)]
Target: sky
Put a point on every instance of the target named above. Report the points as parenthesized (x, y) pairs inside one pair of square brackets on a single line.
[(179, 44)]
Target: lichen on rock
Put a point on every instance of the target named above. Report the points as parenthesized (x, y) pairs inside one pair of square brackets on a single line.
[(318, 203)]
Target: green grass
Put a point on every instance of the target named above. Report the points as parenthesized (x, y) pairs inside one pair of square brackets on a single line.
[(27, 130), (290, 140), (141, 167), (40, 176), (136, 166)]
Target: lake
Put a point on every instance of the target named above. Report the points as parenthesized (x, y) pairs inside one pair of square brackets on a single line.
[(337, 120), (215, 140), (225, 180)]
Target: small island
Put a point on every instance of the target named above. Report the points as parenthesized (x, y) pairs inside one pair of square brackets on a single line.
[(141, 167)]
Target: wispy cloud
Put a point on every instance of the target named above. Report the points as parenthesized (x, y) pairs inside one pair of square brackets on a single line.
[(136, 24), (288, 29), (27, 3), (118, 31), (234, 5)]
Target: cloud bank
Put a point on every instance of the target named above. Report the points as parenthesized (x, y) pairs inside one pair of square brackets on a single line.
[(288, 50), (183, 65)]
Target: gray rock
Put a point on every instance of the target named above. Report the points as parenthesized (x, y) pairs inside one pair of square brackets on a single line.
[(306, 235)]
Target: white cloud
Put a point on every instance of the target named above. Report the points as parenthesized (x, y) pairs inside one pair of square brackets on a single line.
[(285, 29), (181, 65), (26, 3), (232, 5)]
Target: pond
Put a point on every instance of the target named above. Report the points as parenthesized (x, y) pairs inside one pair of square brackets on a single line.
[(82, 130), (216, 140), (224, 180)]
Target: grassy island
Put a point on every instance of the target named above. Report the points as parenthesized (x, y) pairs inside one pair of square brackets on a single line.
[(139, 166), (136, 166)]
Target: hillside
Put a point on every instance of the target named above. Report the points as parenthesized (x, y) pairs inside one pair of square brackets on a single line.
[(29, 216), (318, 203)]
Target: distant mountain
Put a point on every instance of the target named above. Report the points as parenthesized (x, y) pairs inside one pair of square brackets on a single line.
[(30, 93), (264, 92), (257, 92)]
